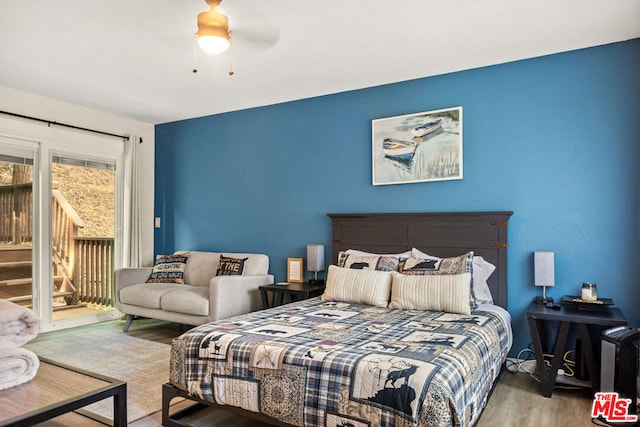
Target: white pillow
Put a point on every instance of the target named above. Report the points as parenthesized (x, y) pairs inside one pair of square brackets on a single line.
[(370, 287), (448, 293), (482, 269)]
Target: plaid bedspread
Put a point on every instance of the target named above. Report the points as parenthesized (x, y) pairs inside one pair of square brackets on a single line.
[(317, 363)]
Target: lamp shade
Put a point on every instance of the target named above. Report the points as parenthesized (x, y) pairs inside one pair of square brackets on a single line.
[(315, 258), (213, 30), (544, 269), (213, 44)]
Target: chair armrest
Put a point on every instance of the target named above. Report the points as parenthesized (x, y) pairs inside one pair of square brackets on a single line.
[(234, 295), (131, 276)]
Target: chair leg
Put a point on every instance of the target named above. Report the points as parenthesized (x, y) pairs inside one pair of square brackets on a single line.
[(127, 323)]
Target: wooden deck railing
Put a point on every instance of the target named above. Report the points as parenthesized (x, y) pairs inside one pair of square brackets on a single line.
[(65, 224), (93, 272), (16, 213), (86, 263)]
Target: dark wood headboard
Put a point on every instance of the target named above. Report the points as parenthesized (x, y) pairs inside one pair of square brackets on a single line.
[(441, 234)]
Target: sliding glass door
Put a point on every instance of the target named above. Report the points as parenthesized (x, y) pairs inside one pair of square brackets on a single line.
[(58, 219), (82, 235)]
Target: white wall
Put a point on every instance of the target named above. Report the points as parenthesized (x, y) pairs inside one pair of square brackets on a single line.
[(27, 104)]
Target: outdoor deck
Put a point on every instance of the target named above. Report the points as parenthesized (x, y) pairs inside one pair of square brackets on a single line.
[(82, 267)]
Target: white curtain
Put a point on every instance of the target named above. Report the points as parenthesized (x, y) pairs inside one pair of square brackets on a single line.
[(132, 235)]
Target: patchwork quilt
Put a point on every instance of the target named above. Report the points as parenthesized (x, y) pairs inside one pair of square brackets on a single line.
[(318, 363)]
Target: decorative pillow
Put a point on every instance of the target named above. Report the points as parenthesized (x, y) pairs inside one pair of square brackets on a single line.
[(381, 263), (482, 269), (439, 292), (342, 255), (169, 268), (433, 265), (358, 286), (228, 266)]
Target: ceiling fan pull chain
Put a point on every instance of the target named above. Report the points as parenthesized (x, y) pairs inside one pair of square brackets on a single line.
[(230, 54), (195, 50)]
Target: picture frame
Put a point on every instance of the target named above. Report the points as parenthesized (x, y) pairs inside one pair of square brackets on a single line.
[(418, 147), (295, 270)]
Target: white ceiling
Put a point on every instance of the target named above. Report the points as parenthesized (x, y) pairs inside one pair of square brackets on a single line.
[(135, 57)]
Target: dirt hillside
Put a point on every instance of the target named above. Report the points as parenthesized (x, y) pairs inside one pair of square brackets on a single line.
[(89, 191)]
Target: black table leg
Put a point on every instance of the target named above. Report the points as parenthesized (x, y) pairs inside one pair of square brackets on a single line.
[(120, 407), (278, 298), (587, 351), (265, 299), (549, 379), (537, 347)]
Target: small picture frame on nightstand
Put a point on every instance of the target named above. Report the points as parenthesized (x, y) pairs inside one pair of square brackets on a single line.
[(295, 270)]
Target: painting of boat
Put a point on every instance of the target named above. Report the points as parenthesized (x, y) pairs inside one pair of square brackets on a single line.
[(399, 149), (426, 128), (418, 147)]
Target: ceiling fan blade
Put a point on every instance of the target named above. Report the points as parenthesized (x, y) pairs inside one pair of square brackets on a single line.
[(254, 39), (251, 29)]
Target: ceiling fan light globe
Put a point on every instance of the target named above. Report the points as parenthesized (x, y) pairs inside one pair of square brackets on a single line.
[(213, 44)]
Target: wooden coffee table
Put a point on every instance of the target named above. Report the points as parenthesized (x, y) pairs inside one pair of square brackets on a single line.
[(58, 389)]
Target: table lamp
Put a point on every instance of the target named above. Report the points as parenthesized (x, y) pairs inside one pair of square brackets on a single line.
[(315, 261), (543, 270)]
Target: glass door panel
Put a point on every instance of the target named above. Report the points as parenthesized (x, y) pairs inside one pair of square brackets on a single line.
[(82, 236), (16, 228)]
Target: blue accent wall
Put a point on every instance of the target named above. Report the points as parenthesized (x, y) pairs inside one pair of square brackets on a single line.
[(556, 139)]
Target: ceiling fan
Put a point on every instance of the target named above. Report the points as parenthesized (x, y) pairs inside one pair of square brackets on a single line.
[(213, 29), (249, 29)]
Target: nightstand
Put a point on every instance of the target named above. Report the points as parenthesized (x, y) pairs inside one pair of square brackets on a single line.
[(538, 315), (293, 291)]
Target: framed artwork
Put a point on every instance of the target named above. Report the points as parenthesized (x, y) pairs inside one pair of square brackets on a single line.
[(417, 147), (295, 270)]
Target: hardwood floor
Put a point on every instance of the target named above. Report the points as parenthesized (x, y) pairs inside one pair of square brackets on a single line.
[(516, 400)]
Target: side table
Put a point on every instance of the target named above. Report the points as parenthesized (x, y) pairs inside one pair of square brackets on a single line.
[(294, 291), (537, 314)]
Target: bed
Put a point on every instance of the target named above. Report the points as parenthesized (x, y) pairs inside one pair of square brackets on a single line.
[(371, 351)]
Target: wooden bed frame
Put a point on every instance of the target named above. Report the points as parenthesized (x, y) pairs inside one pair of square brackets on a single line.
[(439, 234)]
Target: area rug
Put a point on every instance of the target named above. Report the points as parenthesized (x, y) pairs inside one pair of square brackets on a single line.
[(142, 363)]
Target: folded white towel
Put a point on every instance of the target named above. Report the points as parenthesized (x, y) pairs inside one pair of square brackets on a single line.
[(18, 325), (17, 366)]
